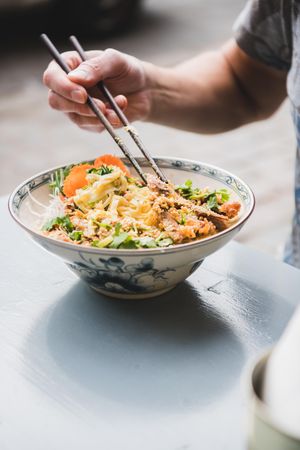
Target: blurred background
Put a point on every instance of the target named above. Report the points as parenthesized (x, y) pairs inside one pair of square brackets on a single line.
[(33, 137)]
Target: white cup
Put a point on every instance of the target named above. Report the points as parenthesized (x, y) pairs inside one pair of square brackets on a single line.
[(263, 433)]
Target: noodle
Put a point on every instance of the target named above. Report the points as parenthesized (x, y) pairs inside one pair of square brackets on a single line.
[(116, 211)]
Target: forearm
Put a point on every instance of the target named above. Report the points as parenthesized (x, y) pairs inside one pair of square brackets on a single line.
[(206, 94)]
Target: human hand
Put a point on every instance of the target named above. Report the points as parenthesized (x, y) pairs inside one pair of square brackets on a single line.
[(124, 75)]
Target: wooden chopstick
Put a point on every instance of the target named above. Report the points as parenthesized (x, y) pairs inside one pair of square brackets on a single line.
[(93, 106), (132, 132)]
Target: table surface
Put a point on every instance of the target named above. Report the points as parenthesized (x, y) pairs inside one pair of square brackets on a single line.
[(80, 371)]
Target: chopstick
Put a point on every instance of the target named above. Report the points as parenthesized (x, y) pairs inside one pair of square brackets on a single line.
[(132, 132), (93, 106)]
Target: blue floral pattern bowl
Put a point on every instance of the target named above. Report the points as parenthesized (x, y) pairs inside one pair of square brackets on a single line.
[(138, 273)]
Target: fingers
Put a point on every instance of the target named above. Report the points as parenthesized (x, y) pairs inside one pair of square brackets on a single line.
[(86, 123), (83, 117), (92, 123), (57, 80), (68, 93), (121, 101), (61, 103), (108, 64)]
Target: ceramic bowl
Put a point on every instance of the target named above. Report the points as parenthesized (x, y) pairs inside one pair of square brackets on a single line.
[(138, 273), (263, 432)]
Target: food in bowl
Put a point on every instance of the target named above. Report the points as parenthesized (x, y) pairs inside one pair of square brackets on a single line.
[(101, 205), (132, 273)]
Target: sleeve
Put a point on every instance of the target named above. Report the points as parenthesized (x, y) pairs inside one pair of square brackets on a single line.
[(263, 31)]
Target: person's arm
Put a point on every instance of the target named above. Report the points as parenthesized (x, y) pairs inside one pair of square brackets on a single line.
[(214, 92)]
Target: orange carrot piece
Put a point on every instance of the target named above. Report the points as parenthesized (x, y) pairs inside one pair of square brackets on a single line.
[(111, 160), (76, 179)]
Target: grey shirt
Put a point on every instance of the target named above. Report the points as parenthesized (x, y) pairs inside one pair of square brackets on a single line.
[(269, 31)]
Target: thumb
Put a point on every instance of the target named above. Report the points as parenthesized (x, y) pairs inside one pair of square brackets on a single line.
[(108, 64)]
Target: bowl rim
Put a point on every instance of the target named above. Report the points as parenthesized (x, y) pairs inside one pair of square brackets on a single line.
[(135, 252)]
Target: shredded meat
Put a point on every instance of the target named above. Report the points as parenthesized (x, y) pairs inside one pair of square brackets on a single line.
[(230, 209), (155, 184), (221, 222)]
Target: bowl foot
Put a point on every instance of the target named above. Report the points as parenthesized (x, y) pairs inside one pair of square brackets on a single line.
[(145, 295)]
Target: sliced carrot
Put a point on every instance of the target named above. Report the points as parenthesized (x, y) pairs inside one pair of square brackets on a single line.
[(76, 179), (111, 160)]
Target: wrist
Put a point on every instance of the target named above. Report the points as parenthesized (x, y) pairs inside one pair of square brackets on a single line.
[(161, 87)]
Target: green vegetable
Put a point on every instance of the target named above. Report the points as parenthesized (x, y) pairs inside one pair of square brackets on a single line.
[(118, 227), (102, 243), (212, 202), (165, 242), (187, 190), (130, 243), (119, 239), (105, 225), (225, 195), (210, 198), (183, 219), (58, 178), (147, 242), (102, 170), (125, 241), (76, 235), (63, 222), (131, 180), (102, 224), (213, 199)]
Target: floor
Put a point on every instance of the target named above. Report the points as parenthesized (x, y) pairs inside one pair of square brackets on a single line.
[(33, 137)]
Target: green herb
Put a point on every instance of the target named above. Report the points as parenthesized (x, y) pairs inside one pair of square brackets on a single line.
[(212, 202), (187, 190), (105, 225), (130, 243), (165, 242), (119, 239), (63, 222), (118, 227), (102, 243), (58, 178), (102, 224), (147, 242), (224, 194), (213, 199), (130, 180), (182, 219), (102, 170), (76, 235)]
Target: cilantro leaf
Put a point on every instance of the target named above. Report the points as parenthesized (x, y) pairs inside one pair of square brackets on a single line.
[(213, 199), (187, 190), (147, 242), (102, 243), (165, 242), (76, 235), (130, 243), (102, 170), (212, 202), (225, 195), (118, 239), (63, 222)]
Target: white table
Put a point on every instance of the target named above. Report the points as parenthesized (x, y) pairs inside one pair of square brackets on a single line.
[(82, 372)]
